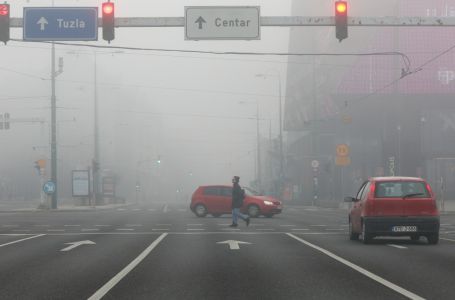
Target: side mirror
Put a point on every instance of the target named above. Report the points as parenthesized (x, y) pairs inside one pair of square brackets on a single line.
[(350, 199)]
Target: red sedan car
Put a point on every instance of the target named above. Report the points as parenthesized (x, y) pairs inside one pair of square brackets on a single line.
[(216, 200)]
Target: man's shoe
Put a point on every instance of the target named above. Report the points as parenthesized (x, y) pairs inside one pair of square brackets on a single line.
[(248, 221), (233, 225)]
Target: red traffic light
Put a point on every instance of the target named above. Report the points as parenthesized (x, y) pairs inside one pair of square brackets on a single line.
[(341, 7), (108, 8), (4, 9)]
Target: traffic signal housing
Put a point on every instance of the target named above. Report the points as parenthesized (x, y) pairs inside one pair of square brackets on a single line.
[(4, 22), (341, 20), (108, 11)]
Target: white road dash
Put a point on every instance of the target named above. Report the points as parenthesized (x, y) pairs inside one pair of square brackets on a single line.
[(90, 229), (361, 270), (195, 229), (161, 229), (117, 278), (230, 229), (70, 225), (300, 229), (336, 229), (256, 224), (133, 225), (226, 224), (445, 239), (318, 225), (56, 230), (21, 240), (120, 209), (39, 225), (10, 226), (20, 230), (265, 229), (125, 229), (163, 225), (288, 225), (397, 246), (194, 224), (136, 209), (102, 225)]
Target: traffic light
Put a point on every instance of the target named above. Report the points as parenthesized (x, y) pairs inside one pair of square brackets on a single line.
[(108, 21), (6, 120), (4, 23), (341, 20)]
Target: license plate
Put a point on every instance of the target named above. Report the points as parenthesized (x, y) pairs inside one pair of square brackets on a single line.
[(404, 228)]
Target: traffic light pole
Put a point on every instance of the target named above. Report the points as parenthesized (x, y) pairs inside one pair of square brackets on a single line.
[(286, 22)]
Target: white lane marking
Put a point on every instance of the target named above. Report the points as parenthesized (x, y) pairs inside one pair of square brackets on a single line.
[(194, 224), (125, 229), (318, 225), (42, 225), (450, 240), (72, 225), (300, 229), (161, 229), (195, 229), (163, 224), (361, 270), (103, 225), (133, 225), (116, 279), (136, 209), (288, 225), (255, 224), (90, 229), (74, 245), (56, 230), (21, 240), (234, 245), (20, 230), (397, 246), (226, 224), (265, 229), (446, 224), (10, 226), (335, 229), (120, 209), (230, 229)]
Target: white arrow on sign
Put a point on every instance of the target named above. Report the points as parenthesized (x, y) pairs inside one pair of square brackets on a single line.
[(234, 245), (43, 22), (77, 244)]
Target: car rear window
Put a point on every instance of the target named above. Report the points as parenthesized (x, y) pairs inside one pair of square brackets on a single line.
[(211, 191), (399, 189)]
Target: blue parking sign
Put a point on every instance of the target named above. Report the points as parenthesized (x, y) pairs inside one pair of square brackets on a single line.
[(49, 187)]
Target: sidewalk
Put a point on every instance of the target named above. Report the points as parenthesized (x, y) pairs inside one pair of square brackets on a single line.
[(63, 208)]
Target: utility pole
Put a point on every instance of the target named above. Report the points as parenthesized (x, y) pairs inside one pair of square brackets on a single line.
[(53, 130), (259, 170), (96, 150)]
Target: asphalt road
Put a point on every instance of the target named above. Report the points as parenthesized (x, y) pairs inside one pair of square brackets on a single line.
[(162, 251)]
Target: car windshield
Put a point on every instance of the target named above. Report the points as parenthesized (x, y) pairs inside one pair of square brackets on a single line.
[(400, 189)]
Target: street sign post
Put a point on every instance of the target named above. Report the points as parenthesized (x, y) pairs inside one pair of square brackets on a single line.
[(60, 24), (222, 23)]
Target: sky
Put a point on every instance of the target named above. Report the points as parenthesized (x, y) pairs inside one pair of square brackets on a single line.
[(194, 112)]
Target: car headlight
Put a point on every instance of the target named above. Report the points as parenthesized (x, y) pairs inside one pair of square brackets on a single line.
[(268, 202)]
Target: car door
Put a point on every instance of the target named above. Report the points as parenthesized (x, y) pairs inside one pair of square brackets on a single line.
[(357, 208), (225, 199)]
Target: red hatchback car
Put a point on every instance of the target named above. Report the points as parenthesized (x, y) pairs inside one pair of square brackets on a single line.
[(216, 200), (394, 206)]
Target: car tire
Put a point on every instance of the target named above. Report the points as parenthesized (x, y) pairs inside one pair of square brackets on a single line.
[(415, 238), (433, 239), (216, 215), (352, 235), (366, 236), (200, 210), (254, 211)]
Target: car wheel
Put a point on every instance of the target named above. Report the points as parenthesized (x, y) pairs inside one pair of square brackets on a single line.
[(352, 235), (433, 239), (253, 211), (415, 238), (200, 210), (269, 215), (366, 237), (216, 215)]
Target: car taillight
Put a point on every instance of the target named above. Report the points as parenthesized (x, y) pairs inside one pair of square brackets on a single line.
[(430, 191), (372, 190)]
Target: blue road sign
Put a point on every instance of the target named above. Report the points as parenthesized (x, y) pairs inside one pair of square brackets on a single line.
[(60, 24), (49, 187)]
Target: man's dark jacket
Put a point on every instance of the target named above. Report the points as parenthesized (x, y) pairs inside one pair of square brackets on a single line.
[(237, 196)]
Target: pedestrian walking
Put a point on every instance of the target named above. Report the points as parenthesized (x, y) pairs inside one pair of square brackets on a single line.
[(238, 195)]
